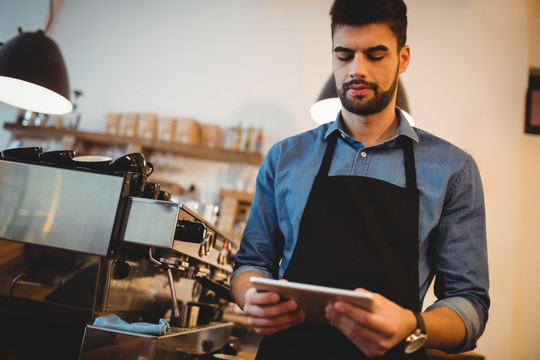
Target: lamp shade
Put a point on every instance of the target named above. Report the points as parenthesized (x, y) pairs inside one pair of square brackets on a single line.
[(328, 103), (33, 74)]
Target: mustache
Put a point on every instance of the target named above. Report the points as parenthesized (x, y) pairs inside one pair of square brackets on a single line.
[(356, 82)]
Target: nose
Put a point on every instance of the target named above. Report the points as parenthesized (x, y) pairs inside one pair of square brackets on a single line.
[(358, 69)]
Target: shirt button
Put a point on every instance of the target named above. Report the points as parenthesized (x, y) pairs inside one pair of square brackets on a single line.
[(363, 154)]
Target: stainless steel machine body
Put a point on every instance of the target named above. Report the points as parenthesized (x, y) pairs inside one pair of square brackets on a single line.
[(75, 246), (60, 208), (116, 344)]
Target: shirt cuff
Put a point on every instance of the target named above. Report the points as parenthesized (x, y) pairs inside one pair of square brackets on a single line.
[(468, 315), (245, 268)]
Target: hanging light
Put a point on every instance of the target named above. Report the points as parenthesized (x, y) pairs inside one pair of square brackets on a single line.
[(328, 104), (33, 74)]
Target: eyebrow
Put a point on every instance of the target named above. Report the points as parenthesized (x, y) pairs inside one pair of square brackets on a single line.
[(371, 49), (377, 48), (342, 49)]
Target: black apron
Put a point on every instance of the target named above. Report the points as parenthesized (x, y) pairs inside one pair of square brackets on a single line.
[(355, 232)]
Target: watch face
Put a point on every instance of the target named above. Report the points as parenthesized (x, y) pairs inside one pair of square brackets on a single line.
[(414, 342)]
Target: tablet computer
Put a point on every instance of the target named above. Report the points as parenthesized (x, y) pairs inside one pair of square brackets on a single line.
[(313, 298)]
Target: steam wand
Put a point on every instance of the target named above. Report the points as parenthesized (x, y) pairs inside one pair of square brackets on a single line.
[(167, 268)]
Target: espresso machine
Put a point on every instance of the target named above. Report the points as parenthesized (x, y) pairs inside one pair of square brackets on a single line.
[(81, 241)]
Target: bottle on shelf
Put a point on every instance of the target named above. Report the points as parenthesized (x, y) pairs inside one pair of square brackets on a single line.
[(238, 137), (247, 140), (258, 141), (72, 119)]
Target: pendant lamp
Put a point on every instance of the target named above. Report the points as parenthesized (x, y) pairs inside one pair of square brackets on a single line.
[(33, 74), (328, 104)]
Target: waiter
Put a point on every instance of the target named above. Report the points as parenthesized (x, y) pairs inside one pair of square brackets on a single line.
[(367, 202)]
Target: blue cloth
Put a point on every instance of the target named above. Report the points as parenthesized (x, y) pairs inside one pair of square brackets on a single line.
[(452, 229), (114, 322)]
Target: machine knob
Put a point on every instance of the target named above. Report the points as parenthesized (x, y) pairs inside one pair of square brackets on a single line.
[(202, 250), (207, 345), (221, 259), (121, 269), (229, 349)]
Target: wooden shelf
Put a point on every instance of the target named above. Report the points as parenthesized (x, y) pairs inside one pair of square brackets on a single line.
[(241, 196), (192, 151), (235, 207)]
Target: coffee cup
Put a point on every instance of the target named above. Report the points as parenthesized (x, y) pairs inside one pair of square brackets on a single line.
[(149, 168), (133, 162), (23, 153), (92, 161), (58, 156), (207, 312), (188, 316)]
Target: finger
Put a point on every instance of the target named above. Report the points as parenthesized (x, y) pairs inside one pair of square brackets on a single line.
[(370, 342), (273, 329), (254, 297), (287, 319), (267, 326), (353, 329), (270, 310), (362, 316), (362, 290), (380, 321)]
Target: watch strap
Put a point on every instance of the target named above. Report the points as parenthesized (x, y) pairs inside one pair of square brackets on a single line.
[(416, 340), (420, 324)]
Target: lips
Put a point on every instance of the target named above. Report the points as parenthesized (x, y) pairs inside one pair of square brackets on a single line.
[(357, 89)]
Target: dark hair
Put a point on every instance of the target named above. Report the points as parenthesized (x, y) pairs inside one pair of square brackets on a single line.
[(364, 12)]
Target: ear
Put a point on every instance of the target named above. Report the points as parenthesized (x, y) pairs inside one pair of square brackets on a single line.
[(404, 58)]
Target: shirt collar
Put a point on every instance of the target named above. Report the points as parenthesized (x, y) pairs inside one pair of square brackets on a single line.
[(404, 127)]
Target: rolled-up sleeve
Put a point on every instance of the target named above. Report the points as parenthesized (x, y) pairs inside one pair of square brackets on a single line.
[(459, 251), (262, 242)]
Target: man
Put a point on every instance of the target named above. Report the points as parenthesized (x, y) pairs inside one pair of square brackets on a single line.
[(367, 202)]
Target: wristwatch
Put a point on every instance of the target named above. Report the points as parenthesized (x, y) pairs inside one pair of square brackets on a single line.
[(418, 338)]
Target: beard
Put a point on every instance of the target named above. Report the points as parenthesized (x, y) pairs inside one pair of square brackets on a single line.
[(364, 107)]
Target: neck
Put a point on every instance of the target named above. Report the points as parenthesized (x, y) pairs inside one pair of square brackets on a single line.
[(372, 129)]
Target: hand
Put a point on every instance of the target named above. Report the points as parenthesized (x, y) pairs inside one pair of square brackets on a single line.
[(267, 315), (372, 332)]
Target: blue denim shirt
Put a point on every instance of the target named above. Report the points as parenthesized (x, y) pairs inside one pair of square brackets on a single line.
[(452, 230)]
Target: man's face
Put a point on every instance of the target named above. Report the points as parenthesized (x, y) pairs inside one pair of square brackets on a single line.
[(366, 66)]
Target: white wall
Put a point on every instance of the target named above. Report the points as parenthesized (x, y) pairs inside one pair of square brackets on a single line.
[(224, 62), (525, 344), (264, 61)]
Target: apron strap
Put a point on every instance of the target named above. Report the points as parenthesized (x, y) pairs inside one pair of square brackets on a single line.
[(410, 170), (328, 154)]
